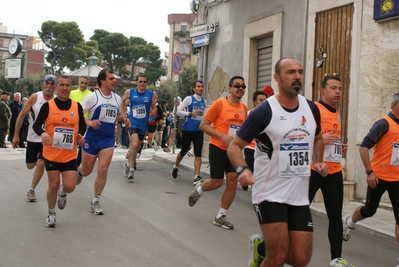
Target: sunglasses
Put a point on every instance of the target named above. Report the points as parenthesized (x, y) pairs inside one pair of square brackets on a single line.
[(239, 86), (142, 81)]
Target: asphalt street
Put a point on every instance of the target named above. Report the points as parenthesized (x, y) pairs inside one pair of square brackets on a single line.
[(147, 222)]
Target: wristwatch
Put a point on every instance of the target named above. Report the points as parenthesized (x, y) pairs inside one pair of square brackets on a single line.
[(240, 169), (369, 172)]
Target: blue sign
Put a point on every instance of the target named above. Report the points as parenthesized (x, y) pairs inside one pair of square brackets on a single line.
[(176, 63), (386, 9), (202, 40)]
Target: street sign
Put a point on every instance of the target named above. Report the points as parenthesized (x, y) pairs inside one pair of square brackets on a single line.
[(202, 40), (176, 63), (203, 29)]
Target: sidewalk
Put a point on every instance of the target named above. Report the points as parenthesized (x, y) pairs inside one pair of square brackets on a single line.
[(381, 225)]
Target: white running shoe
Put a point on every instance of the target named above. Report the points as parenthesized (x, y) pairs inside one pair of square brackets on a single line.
[(347, 230), (51, 220), (127, 168), (61, 203), (95, 208)]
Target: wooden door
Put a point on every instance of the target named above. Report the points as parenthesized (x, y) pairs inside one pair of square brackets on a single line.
[(333, 44)]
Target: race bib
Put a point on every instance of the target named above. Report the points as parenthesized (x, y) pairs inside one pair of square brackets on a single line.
[(333, 153), (294, 160), (108, 114), (199, 115), (63, 138), (139, 111), (233, 129), (395, 154)]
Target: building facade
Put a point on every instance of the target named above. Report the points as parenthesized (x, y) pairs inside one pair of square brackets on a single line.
[(32, 51), (179, 40), (329, 37)]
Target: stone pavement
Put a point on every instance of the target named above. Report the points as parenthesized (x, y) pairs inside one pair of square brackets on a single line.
[(381, 225)]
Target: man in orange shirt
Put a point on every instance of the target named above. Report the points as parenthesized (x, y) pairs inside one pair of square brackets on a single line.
[(221, 122), (382, 170), (332, 185), (64, 129)]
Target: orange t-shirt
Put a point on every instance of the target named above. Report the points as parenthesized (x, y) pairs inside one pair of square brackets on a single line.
[(226, 118), (62, 126), (384, 164), (330, 122)]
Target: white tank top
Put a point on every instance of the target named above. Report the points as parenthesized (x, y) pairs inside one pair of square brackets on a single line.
[(32, 136), (284, 178)]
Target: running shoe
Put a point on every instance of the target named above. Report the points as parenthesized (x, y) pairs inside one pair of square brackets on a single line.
[(174, 172), (138, 155), (130, 175), (127, 155), (155, 146), (340, 262), (256, 259), (31, 196), (61, 203), (126, 169), (194, 196), (198, 179), (347, 230), (51, 220), (79, 177), (223, 222), (95, 208)]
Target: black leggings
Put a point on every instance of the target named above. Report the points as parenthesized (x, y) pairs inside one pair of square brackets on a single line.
[(197, 137), (374, 195), (332, 188)]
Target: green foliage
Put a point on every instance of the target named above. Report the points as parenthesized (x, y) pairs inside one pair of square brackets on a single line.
[(187, 76), (114, 47), (66, 45), (182, 34), (5, 84), (166, 91), (28, 85)]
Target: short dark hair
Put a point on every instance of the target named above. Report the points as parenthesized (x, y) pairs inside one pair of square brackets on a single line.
[(256, 93), (194, 84), (327, 78), (63, 76), (142, 76), (234, 78), (102, 75)]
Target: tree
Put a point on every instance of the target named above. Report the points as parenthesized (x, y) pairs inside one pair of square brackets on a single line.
[(114, 47), (166, 91), (187, 75), (29, 85), (66, 45)]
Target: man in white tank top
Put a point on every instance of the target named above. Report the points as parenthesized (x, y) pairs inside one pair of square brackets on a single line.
[(33, 155), (287, 132)]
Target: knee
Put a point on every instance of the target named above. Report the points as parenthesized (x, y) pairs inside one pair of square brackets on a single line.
[(367, 212), (216, 183), (53, 186)]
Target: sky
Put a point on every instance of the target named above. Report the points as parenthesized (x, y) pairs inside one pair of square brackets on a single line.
[(147, 19)]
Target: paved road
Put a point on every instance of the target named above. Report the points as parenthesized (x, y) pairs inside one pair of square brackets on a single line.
[(147, 222)]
